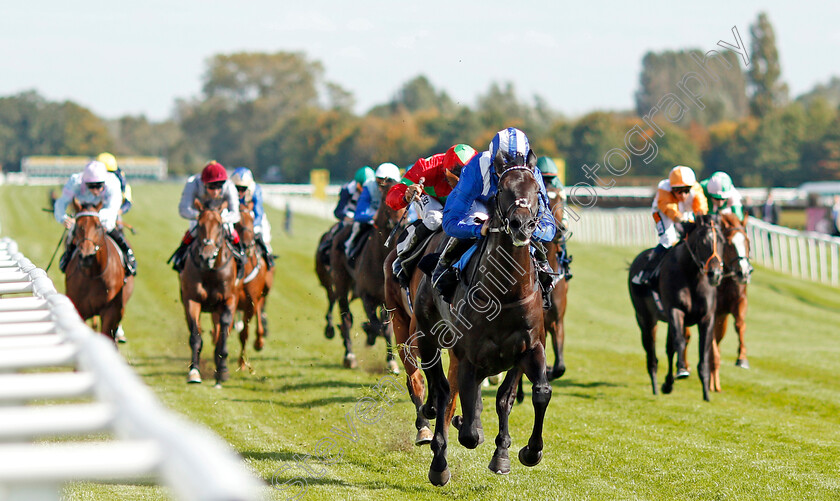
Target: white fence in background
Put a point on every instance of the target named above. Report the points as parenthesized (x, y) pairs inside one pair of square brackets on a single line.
[(98, 394), (805, 254)]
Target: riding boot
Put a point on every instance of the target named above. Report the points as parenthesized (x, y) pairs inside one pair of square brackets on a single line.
[(65, 258), (269, 258), (130, 261), (415, 234), (650, 270), (445, 277), (177, 257), (565, 260), (350, 242), (545, 275)]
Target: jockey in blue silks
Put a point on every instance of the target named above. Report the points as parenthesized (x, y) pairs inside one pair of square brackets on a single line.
[(465, 211), (250, 192)]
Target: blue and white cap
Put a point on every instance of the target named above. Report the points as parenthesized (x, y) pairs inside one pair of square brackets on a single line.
[(511, 141)]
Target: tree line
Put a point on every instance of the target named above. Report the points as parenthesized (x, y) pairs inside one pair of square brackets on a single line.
[(276, 113)]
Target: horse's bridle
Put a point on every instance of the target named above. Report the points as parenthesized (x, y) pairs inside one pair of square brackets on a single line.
[(519, 203), (705, 266), (736, 259), (96, 246), (217, 244)]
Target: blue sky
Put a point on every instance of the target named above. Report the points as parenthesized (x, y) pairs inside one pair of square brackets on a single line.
[(137, 57)]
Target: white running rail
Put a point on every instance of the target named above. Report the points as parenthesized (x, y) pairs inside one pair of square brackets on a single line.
[(94, 394), (804, 254)]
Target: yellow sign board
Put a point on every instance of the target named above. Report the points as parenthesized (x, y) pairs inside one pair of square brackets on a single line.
[(561, 169), (319, 178)]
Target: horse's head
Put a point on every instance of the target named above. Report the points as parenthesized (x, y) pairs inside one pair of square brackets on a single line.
[(386, 217), (517, 201), (245, 227), (88, 233), (736, 251), (705, 244), (210, 230)]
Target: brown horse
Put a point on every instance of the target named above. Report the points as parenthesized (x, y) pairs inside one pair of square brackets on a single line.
[(732, 293), (256, 283), (322, 270), (490, 328), (685, 295), (554, 316), (95, 280), (365, 280), (399, 302), (209, 284)]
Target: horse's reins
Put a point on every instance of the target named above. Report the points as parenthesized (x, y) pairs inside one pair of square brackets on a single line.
[(519, 203)]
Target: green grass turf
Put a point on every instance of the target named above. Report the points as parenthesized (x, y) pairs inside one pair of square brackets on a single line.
[(772, 434)]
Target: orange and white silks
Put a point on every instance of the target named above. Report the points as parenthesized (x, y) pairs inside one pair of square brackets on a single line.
[(667, 210)]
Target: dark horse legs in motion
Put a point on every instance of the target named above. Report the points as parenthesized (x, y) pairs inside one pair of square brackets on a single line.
[(687, 288)]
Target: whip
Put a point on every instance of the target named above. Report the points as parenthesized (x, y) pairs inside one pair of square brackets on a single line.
[(400, 222)]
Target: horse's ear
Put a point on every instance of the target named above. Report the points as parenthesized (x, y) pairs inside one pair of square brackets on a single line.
[(198, 205), (744, 222), (77, 207), (499, 163), (451, 178), (531, 160), (223, 205), (99, 206), (250, 206)]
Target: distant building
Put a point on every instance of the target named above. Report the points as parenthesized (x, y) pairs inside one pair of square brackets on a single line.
[(61, 167)]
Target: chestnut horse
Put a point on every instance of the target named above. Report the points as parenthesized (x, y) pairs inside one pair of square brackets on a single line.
[(554, 316), (95, 279), (490, 329), (732, 293), (256, 283), (365, 280), (209, 284), (687, 293)]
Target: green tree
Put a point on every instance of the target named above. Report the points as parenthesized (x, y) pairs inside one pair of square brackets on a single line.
[(829, 92), (767, 90), (592, 136), (717, 77)]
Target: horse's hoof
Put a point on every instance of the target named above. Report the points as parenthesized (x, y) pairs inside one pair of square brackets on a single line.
[(222, 376), (193, 377), (485, 383), (393, 367), (329, 332), (742, 363), (424, 436), (457, 421), (259, 343), (350, 361), (667, 387), (119, 336), (439, 478), (499, 465), (495, 379), (218, 386), (371, 333), (683, 373), (468, 440), (529, 459)]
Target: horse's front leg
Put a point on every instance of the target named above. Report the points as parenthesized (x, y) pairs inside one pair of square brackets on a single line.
[(221, 353), (675, 344), (388, 334), (469, 384), (533, 364), (719, 331), (111, 317), (346, 325), (192, 310), (439, 390), (259, 342), (505, 396), (741, 329), (706, 328), (247, 313)]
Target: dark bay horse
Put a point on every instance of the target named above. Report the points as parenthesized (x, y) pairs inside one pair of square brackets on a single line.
[(365, 280), (209, 284), (95, 279), (256, 283), (322, 270), (732, 293), (495, 324), (687, 292)]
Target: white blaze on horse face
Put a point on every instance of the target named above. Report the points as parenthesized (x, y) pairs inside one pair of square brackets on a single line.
[(740, 243)]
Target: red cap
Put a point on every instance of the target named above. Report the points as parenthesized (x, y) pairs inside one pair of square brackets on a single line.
[(213, 172), (458, 156)]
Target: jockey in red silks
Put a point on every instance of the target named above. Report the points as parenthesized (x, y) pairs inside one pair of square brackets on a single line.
[(427, 184), (211, 184)]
